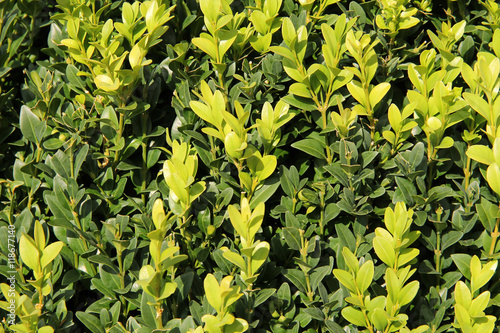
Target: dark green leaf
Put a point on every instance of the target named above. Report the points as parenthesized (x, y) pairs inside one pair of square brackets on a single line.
[(91, 322), (312, 147)]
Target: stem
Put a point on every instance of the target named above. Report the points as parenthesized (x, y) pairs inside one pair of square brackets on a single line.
[(119, 137), (144, 170), (250, 305), (159, 321), (391, 44), (369, 110), (494, 236), (467, 172), (438, 251), (72, 159), (84, 241), (213, 171), (322, 109), (120, 267)]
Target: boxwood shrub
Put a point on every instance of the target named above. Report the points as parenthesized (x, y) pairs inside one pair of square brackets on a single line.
[(250, 166)]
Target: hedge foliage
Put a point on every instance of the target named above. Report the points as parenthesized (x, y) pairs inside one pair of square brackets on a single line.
[(250, 165)]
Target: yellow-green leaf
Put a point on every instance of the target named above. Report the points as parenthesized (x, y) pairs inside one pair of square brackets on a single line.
[(379, 92), (106, 83)]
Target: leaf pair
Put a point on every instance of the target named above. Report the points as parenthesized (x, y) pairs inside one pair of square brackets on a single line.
[(221, 297), (392, 244), (39, 257), (180, 172)]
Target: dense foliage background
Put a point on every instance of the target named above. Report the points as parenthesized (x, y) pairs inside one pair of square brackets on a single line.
[(250, 165)]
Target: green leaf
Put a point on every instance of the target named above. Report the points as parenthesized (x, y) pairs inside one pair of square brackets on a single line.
[(74, 79), (318, 275), (264, 295), (297, 277), (91, 322), (312, 147), (28, 122), (404, 192), (462, 261), (292, 237)]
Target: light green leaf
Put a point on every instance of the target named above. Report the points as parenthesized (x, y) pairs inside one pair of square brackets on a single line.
[(211, 9), (269, 163), (447, 142), (434, 123), (167, 290), (106, 83), (237, 326), (300, 89), (205, 43), (480, 153), (356, 90), (259, 256), (379, 319), (226, 40), (46, 329), (462, 315), (486, 273), (384, 251), (345, 278), (390, 137), (493, 177), (407, 255), (478, 104), (50, 252), (462, 294), (235, 258), (350, 260), (29, 253), (479, 304), (196, 190), (365, 276), (213, 292), (393, 285), (408, 293), (237, 221), (354, 316), (158, 214), (379, 92)]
